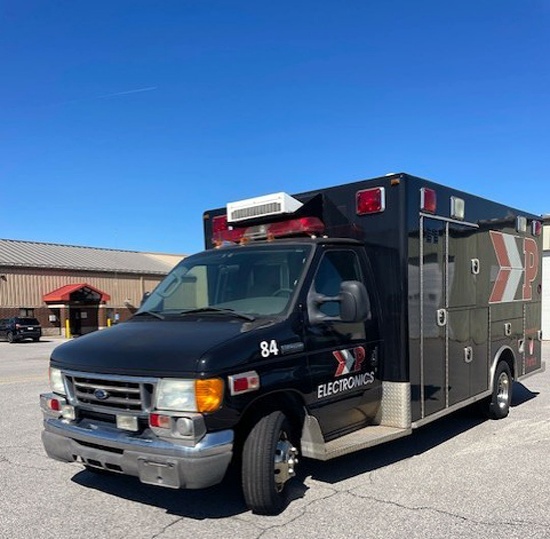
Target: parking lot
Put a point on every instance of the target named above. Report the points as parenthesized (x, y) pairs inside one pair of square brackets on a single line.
[(459, 477)]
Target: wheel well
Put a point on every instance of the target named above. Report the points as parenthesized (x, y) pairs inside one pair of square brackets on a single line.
[(508, 356), (291, 404)]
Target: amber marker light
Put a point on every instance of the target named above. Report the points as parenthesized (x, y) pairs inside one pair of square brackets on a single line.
[(208, 394)]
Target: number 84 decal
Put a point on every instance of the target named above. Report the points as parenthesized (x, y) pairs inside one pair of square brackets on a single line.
[(269, 348)]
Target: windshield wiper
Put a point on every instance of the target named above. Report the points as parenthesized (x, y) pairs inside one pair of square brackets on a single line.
[(219, 310), (152, 313)]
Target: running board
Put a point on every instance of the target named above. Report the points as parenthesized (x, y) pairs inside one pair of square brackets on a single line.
[(313, 445)]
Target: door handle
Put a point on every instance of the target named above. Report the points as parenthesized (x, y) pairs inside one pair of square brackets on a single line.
[(441, 317)]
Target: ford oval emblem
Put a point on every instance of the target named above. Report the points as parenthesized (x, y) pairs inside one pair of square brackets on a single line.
[(101, 394)]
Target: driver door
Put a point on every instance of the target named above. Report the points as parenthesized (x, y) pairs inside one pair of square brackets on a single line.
[(343, 357)]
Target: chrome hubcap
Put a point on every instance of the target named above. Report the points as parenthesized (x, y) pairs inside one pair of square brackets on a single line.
[(503, 391), (285, 461)]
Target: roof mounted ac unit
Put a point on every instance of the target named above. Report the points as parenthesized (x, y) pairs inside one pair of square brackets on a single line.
[(264, 206)]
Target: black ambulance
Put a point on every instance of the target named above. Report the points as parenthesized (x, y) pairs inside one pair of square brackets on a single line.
[(312, 325)]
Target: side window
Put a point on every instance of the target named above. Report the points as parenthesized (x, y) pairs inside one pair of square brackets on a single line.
[(335, 267)]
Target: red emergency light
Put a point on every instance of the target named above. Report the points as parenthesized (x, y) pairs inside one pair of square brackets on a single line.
[(370, 201), (302, 226), (428, 200), (221, 232)]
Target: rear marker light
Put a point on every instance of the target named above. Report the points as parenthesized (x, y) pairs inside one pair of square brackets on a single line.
[(370, 201), (536, 228), (428, 200)]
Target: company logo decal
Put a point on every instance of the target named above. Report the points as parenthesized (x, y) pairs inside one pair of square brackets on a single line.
[(349, 361), (518, 260)]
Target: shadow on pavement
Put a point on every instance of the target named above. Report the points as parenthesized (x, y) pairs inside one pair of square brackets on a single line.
[(225, 499)]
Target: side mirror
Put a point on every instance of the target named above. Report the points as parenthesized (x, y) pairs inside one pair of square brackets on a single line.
[(354, 302), (353, 299), (144, 298)]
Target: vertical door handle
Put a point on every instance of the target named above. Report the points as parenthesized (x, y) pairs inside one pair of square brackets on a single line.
[(441, 317)]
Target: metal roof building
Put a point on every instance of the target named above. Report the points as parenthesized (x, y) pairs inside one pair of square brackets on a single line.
[(73, 288)]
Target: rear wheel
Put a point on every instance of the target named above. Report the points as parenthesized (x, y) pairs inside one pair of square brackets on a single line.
[(269, 461), (497, 406)]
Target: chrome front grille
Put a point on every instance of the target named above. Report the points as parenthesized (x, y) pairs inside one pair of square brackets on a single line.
[(111, 393)]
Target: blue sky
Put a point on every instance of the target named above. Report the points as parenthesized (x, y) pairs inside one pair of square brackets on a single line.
[(123, 120)]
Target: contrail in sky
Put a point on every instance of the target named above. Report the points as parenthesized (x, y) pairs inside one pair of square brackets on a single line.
[(127, 92), (107, 96)]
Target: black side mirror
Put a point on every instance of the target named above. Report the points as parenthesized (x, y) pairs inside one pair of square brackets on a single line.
[(353, 299), (354, 302)]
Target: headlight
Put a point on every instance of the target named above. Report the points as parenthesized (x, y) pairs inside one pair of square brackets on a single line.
[(176, 395), (56, 381), (189, 395)]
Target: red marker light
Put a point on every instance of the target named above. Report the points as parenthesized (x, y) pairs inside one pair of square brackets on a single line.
[(243, 383), (428, 200), (370, 201), (54, 404), (536, 228), (160, 421)]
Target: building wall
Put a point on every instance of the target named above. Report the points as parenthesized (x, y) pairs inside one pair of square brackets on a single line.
[(546, 281), (24, 288)]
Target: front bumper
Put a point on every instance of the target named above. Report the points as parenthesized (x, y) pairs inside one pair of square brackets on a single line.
[(154, 460)]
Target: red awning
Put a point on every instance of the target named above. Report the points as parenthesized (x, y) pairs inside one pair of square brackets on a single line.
[(63, 294)]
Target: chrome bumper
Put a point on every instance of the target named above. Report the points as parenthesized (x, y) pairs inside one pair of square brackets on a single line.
[(154, 460)]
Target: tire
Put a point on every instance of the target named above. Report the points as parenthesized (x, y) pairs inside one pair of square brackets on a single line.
[(36, 339), (268, 463), (497, 406)]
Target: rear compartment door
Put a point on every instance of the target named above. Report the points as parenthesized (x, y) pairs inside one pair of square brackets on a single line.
[(433, 315), (453, 330)]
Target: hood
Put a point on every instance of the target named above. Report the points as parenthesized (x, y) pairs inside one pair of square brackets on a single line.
[(146, 347)]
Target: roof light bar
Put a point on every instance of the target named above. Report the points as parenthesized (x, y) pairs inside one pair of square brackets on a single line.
[(222, 232), (303, 226)]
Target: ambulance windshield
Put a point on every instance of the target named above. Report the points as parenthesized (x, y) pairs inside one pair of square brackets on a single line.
[(252, 281)]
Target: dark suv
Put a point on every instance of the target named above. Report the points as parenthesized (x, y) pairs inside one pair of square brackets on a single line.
[(20, 328)]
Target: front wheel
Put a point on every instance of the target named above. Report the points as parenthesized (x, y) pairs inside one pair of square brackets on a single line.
[(497, 406), (269, 462)]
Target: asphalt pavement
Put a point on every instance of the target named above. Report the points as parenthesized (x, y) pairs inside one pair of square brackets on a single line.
[(461, 476)]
